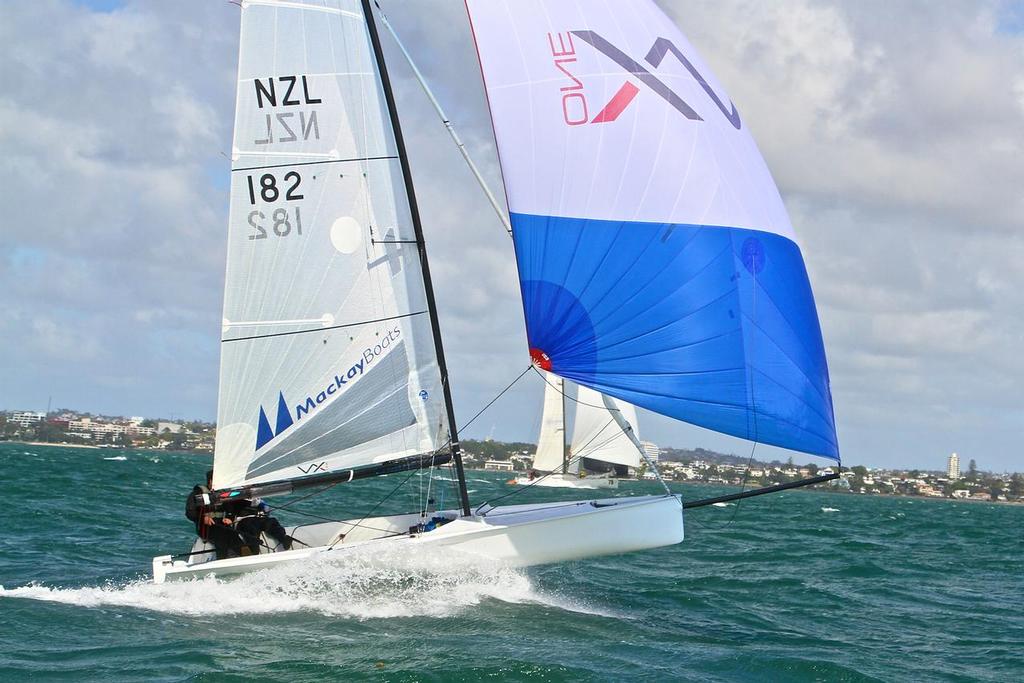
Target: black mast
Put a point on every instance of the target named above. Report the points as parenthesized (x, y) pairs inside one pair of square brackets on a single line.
[(421, 246)]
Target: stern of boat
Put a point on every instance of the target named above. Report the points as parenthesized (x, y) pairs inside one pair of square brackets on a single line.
[(160, 565)]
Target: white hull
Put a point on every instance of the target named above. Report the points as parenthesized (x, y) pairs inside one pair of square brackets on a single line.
[(569, 481), (513, 535)]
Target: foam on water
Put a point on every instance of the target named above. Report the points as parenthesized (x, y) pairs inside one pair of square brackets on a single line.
[(355, 588), (117, 457), (830, 509)]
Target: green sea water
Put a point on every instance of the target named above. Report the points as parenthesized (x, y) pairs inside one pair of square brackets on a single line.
[(798, 586)]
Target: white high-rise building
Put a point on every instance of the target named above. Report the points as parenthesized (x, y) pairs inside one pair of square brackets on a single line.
[(953, 466), (652, 451)]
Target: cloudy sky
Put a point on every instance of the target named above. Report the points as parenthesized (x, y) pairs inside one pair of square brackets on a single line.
[(895, 131)]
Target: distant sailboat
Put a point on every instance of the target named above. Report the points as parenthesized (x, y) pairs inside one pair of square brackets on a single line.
[(656, 261), (596, 436)]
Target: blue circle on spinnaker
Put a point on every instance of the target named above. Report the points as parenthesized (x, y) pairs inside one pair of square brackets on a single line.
[(753, 256), (559, 324)]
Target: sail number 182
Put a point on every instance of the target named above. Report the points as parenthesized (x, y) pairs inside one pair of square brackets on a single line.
[(282, 220)]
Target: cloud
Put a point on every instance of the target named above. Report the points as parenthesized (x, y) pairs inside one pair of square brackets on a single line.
[(893, 131), (894, 134)]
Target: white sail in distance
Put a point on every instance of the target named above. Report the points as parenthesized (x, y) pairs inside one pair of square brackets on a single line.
[(596, 435), (328, 361), (551, 443)]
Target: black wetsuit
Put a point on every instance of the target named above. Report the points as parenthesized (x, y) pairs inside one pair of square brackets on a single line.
[(248, 522), (251, 527), (226, 541)]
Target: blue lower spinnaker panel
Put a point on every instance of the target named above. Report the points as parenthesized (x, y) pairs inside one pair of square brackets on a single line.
[(715, 326)]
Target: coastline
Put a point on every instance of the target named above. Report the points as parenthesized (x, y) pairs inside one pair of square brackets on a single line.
[(813, 489), (103, 448)]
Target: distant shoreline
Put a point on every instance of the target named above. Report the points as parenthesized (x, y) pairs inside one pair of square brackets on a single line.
[(810, 489), (105, 448)]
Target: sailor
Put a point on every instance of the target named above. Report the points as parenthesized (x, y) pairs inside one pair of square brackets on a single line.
[(252, 520), (212, 522)]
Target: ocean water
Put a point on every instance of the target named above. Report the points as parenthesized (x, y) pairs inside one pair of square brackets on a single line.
[(798, 586)]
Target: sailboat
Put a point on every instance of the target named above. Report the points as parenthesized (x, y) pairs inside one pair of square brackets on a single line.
[(657, 266), (596, 436)]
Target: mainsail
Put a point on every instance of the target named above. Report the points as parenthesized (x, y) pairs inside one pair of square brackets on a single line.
[(328, 361), (657, 263), (597, 436), (550, 454)]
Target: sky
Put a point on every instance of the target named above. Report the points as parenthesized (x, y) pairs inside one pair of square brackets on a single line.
[(895, 132)]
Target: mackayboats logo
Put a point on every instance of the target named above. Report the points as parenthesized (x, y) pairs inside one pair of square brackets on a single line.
[(286, 417), (576, 107)]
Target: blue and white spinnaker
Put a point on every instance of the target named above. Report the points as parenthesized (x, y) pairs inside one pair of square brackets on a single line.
[(656, 259)]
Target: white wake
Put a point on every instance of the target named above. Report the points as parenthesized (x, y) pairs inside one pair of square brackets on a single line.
[(350, 589)]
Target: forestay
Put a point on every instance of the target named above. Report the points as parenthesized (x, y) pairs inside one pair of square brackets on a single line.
[(657, 262), (596, 435), (327, 358)]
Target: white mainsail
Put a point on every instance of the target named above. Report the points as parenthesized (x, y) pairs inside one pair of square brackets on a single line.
[(551, 443), (327, 360), (595, 434)]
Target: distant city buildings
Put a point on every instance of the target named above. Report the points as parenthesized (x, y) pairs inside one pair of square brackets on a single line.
[(70, 427), (24, 418), (500, 465), (953, 467)]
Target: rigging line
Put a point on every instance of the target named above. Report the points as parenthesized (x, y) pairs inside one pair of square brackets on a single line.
[(382, 500), (602, 407), (525, 487), (588, 452), (575, 400), (500, 394), (287, 505), (447, 122), (323, 329), (330, 519), (580, 453), (743, 484)]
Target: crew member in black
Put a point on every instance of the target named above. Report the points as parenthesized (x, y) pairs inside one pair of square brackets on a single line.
[(253, 520), (212, 522), (233, 526)]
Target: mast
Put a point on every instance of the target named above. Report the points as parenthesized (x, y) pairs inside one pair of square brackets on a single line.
[(403, 158), (565, 428)]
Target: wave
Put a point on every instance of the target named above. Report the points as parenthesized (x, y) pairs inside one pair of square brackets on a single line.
[(354, 588), (116, 457), (830, 509)]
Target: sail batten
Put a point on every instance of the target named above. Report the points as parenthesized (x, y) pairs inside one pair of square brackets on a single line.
[(656, 259)]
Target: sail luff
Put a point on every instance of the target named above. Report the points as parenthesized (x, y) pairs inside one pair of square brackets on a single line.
[(435, 324)]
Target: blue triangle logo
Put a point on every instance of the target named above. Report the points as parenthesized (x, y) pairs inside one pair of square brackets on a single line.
[(263, 433), (284, 416)]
